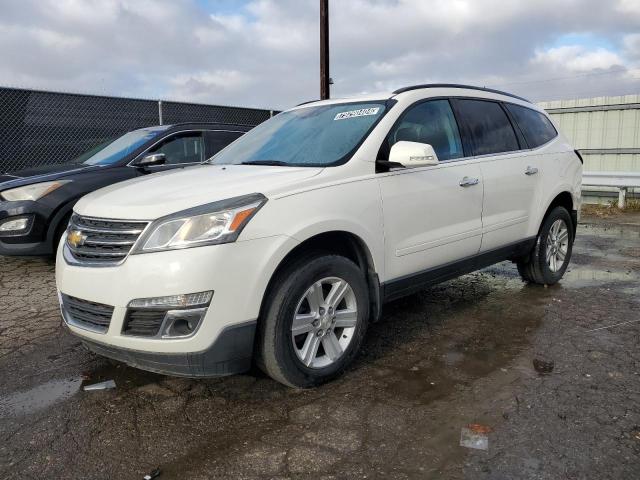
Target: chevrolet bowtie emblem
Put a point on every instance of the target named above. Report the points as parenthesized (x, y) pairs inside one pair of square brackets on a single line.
[(76, 238)]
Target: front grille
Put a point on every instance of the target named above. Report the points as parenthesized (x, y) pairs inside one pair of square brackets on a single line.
[(143, 323), (83, 313), (103, 241)]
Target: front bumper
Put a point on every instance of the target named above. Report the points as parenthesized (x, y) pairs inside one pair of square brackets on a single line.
[(34, 241), (231, 353), (238, 273)]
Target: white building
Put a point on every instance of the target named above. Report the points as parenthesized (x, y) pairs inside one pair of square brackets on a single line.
[(606, 130)]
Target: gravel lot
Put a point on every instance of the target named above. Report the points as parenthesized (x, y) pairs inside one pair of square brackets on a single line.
[(458, 354)]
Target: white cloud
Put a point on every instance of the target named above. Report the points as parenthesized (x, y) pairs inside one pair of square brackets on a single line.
[(629, 7), (198, 87), (266, 53), (577, 58), (632, 45)]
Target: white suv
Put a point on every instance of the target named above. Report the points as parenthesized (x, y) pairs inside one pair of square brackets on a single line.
[(285, 246)]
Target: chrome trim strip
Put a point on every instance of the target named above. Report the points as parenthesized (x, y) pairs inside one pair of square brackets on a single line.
[(135, 231), (97, 254), (109, 242)]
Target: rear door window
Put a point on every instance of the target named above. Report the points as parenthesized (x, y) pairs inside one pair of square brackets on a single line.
[(487, 125), (182, 148), (429, 122), (536, 127), (216, 140)]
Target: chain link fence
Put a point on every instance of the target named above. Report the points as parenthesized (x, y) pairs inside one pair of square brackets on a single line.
[(47, 128)]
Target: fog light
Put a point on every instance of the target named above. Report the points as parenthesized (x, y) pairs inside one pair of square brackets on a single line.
[(182, 323), (15, 225), (173, 316), (201, 299)]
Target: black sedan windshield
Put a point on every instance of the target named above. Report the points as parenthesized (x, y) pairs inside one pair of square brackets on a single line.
[(115, 150), (309, 137)]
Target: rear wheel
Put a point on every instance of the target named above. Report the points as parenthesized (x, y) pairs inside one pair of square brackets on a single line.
[(550, 257), (314, 321)]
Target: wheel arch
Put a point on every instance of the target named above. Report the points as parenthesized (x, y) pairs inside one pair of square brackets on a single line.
[(340, 242), (55, 223), (564, 199)]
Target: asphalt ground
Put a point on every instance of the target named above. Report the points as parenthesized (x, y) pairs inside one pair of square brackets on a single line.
[(459, 355)]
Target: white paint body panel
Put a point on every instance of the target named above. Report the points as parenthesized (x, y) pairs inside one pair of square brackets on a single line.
[(429, 218), (409, 220)]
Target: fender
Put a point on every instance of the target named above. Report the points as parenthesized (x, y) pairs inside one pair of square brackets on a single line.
[(60, 214), (544, 206)]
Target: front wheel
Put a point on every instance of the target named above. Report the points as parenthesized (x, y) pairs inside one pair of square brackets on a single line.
[(550, 257), (314, 321)]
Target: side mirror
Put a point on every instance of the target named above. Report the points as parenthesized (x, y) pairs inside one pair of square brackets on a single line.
[(413, 154), (152, 159)]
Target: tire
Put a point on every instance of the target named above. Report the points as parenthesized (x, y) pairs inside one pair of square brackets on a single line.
[(537, 267), (290, 358)]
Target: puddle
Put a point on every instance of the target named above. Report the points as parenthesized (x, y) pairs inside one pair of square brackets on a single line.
[(40, 397), (45, 395), (618, 231), (587, 277)]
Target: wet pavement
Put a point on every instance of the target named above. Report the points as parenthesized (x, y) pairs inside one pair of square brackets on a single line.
[(461, 353)]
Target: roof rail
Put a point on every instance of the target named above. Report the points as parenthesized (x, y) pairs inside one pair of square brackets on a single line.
[(308, 101), (225, 124), (456, 85)]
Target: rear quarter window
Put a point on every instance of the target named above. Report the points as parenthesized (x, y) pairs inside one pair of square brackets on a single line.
[(536, 127), (216, 140)]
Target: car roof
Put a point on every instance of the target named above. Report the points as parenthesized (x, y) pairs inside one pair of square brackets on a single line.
[(457, 85), (459, 89)]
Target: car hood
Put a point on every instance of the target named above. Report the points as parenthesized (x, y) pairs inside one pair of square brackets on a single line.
[(43, 174), (160, 194)]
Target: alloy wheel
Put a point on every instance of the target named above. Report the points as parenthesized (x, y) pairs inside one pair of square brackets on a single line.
[(557, 245), (324, 322)]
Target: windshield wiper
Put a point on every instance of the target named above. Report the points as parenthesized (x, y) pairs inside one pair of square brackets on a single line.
[(274, 163)]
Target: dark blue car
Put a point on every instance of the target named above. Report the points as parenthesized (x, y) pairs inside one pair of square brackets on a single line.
[(35, 204)]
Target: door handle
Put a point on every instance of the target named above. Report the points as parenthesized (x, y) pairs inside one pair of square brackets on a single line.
[(531, 171), (468, 181)]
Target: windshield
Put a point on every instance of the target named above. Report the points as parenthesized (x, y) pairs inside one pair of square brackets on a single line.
[(308, 137), (115, 150)]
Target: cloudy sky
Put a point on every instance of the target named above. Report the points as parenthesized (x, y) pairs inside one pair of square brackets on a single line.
[(264, 53)]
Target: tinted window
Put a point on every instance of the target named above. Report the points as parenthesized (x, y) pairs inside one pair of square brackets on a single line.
[(488, 125), (217, 140), (536, 127), (116, 150), (429, 122), (313, 136), (185, 148)]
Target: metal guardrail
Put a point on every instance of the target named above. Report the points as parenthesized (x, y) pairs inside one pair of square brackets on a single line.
[(620, 180)]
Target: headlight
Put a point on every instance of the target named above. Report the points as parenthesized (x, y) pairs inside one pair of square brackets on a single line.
[(32, 192), (219, 222)]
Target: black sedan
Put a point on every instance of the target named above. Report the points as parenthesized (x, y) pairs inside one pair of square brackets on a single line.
[(35, 204)]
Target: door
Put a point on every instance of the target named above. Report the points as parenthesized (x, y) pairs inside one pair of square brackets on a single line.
[(509, 175), (432, 215), (181, 149)]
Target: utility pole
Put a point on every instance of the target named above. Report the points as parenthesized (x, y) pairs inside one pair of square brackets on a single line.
[(324, 49)]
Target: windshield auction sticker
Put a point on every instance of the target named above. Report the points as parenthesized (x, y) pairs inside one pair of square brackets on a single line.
[(363, 112)]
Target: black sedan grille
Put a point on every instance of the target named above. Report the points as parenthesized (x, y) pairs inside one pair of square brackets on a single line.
[(102, 241), (83, 313), (143, 323)]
